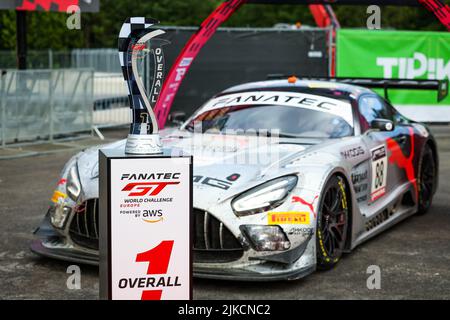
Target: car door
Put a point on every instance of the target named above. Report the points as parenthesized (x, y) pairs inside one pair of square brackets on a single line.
[(384, 176)]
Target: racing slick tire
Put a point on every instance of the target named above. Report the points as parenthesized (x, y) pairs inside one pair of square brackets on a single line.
[(332, 223), (426, 180)]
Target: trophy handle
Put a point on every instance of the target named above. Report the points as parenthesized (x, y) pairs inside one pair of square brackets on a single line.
[(143, 137)]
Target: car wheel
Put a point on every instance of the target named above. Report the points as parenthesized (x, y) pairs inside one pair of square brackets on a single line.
[(332, 223), (426, 180)]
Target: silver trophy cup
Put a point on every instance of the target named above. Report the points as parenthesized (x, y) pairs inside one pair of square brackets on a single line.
[(138, 40)]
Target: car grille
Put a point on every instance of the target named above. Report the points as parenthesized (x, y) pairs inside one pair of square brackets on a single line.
[(83, 229), (213, 241)]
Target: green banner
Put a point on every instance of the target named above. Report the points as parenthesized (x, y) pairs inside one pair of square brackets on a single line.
[(396, 54)]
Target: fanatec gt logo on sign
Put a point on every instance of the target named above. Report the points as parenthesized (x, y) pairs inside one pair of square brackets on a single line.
[(140, 189), (148, 187), (142, 194)]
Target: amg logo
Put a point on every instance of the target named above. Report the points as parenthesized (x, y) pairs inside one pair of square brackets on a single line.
[(150, 176), (213, 182)]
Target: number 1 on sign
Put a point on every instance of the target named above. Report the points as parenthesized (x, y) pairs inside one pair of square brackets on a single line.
[(158, 260)]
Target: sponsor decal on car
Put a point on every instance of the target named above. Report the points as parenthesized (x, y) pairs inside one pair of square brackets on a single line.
[(216, 183), (379, 172), (353, 152), (290, 217), (282, 98), (360, 183), (58, 195), (310, 205), (296, 231)]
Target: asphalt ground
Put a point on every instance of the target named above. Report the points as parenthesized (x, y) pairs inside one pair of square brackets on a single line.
[(413, 256)]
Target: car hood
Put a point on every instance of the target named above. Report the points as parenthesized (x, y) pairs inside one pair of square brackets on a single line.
[(223, 164)]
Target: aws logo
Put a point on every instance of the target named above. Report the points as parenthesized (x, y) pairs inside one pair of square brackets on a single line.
[(152, 216)]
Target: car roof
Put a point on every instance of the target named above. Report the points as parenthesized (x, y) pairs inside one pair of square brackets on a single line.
[(306, 86)]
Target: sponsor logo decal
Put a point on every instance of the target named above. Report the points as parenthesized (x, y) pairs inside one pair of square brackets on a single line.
[(310, 205), (379, 172), (360, 183), (291, 99), (353, 152), (291, 217), (305, 232), (213, 182), (58, 195)]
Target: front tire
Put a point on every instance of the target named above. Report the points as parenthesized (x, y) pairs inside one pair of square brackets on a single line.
[(332, 223), (426, 181)]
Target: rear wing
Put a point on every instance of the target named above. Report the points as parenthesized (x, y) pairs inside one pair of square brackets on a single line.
[(441, 86)]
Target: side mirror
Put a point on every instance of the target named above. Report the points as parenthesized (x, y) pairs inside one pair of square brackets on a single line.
[(382, 125), (177, 118)]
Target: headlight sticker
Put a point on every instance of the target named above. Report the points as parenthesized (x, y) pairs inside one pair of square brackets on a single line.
[(58, 195)]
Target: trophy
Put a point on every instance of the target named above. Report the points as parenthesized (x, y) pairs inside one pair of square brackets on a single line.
[(135, 33), (145, 191)]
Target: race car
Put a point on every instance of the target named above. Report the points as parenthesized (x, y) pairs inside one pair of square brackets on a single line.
[(289, 174)]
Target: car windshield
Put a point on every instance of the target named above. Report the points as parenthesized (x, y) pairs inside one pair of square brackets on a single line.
[(293, 115)]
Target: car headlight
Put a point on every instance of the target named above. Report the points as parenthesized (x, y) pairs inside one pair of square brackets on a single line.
[(266, 196), (266, 238), (59, 215), (73, 185)]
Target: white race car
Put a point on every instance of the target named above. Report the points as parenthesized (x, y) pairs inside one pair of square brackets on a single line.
[(288, 175)]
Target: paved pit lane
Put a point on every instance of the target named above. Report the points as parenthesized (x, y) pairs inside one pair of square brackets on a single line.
[(414, 256)]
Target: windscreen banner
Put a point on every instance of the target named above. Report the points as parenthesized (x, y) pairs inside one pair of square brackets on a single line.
[(399, 54)]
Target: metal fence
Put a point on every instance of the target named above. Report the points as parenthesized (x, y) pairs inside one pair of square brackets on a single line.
[(111, 105), (44, 103), (101, 60)]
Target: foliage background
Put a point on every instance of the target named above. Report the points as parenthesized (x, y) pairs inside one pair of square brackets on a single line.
[(99, 30)]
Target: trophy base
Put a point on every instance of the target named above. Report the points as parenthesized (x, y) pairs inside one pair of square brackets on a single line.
[(143, 144)]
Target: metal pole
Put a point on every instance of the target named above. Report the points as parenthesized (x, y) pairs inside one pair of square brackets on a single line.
[(3, 98), (50, 58), (330, 52), (51, 98), (21, 31)]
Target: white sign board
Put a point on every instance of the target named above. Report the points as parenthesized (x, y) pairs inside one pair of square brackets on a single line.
[(150, 228)]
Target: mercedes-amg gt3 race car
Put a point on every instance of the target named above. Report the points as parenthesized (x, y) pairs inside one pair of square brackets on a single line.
[(289, 174)]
